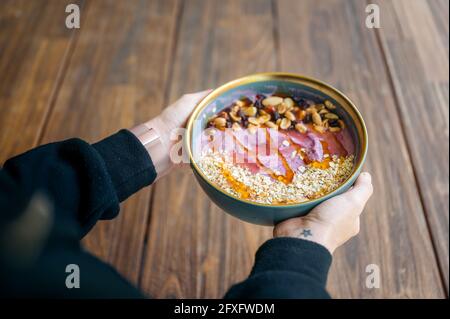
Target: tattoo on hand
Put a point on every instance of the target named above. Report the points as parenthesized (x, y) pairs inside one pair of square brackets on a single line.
[(306, 233)]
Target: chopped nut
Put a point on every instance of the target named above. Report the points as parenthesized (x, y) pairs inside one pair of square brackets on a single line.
[(253, 120), (273, 100), (252, 128), (331, 116), (319, 107), (224, 115), (220, 122), (263, 118), (334, 129), (281, 108), (235, 117), (289, 115), (249, 111), (289, 103), (319, 128), (301, 128), (235, 109), (329, 105), (311, 110), (212, 118), (341, 124), (240, 103), (236, 127), (271, 125), (324, 111), (278, 122), (285, 124), (317, 119)]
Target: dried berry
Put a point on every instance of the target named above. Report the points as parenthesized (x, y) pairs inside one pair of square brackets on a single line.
[(224, 115), (308, 118), (275, 116), (301, 102), (333, 122)]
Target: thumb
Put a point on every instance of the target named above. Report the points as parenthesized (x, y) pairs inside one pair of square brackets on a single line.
[(361, 190), (182, 108)]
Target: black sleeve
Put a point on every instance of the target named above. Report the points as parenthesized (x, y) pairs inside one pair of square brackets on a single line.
[(286, 268), (85, 181), (53, 195)]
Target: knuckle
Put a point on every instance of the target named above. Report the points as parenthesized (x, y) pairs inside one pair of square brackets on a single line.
[(356, 200), (356, 228)]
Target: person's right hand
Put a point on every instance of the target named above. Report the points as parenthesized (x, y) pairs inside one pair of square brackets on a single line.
[(334, 221)]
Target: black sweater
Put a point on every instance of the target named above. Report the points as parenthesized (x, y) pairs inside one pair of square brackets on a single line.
[(51, 196)]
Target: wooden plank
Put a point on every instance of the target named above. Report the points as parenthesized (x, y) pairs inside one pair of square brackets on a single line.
[(417, 56), (34, 45), (116, 79), (194, 249), (329, 41)]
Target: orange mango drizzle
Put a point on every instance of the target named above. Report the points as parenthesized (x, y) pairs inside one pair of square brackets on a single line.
[(237, 186), (243, 190)]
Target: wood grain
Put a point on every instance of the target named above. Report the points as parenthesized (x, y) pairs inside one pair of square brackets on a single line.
[(131, 58), (34, 45), (330, 41), (194, 249), (116, 79), (417, 56)]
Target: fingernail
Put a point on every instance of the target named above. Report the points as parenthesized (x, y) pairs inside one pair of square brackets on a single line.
[(366, 175)]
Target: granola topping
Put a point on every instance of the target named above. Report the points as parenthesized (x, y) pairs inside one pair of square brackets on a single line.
[(314, 153), (308, 183)]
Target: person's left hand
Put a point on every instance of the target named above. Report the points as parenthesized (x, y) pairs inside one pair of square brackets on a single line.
[(173, 117)]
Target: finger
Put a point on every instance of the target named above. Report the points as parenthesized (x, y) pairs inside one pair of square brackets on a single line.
[(178, 113), (362, 189), (187, 102)]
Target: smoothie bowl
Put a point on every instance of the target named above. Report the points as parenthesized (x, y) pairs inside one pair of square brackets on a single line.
[(271, 146)]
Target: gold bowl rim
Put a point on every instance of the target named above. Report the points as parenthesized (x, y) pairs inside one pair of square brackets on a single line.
[(267, 76)]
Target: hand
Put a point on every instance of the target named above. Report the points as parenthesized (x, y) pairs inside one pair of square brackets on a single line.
[(173, 117), (333, 222)]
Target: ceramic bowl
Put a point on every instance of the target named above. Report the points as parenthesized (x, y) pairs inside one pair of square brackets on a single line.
[(270, 83)]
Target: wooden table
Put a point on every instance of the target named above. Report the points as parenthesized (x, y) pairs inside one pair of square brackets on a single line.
[(131, 58)]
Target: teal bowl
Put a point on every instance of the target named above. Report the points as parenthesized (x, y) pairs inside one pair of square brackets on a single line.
[(270, 83)]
